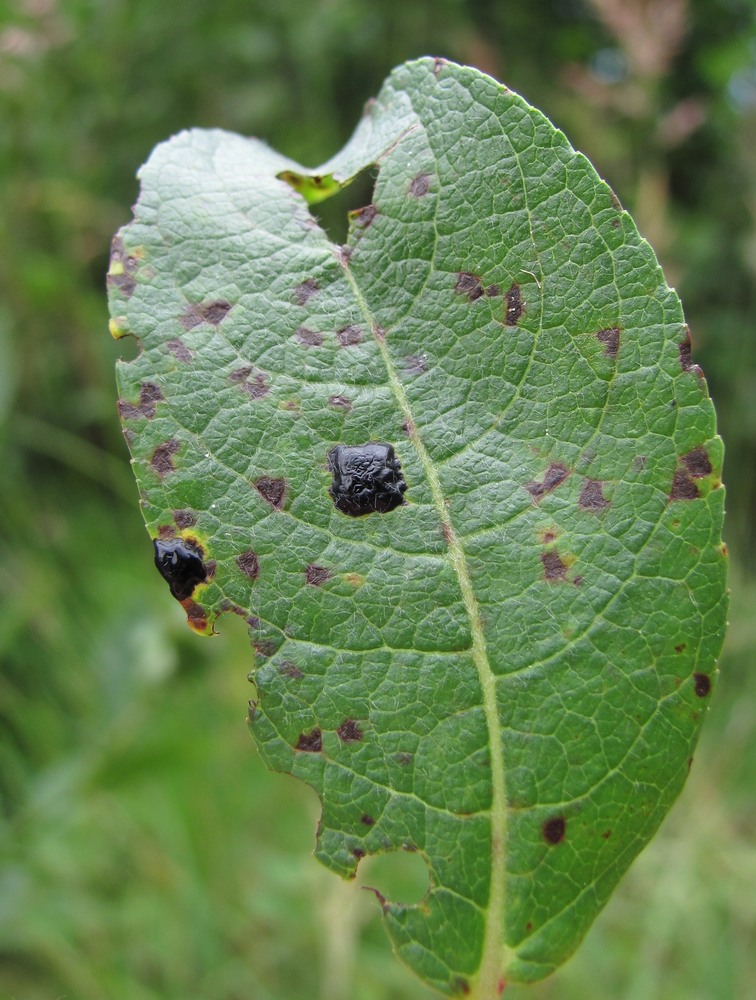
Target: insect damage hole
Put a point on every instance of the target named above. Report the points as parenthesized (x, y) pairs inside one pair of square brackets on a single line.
[(351, 208), (399, 876)]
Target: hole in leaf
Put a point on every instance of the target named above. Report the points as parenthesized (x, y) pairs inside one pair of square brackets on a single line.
[(333, 215), (401, 876)]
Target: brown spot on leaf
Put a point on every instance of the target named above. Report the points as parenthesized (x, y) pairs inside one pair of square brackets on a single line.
[(514, 306), (240, 375), (288, 669), (349, 731), (311, 742), (367, 820), (184, 518), (257, 388), (179, 350), (697, 463), (305, 291), (340, 402), (681, 647), (606, 834), (554, 569), (416, 364), (610, 338), (166, 531), (408, 427), (149, 396), (265, 648), (404, 758), (162, 457), (686, 361), (683, 487), (212, 312), (419, 185), (469, 284), (358, 853), (249, 564), (195, 615), (492, 291), (548, 536), (362, 217), (554, 476), (702, 684), (460, 987), (316, 576), (272, 490), (591, 497), (348, 336), (378, 332), (554, 829), (123, 281), (310, 338)]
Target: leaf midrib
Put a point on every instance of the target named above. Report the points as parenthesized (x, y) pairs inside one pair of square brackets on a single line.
[(493, 956)]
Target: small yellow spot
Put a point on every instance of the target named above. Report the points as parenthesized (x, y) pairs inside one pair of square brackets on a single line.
[(116, 267), (354, 579), (117, 327)]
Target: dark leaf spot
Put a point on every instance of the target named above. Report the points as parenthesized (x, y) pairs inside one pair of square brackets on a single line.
[(367, 820), (514, 306), (240, 375), (180, 564), (419, 185), (349, 731), (404, 758), (162, 457), (460, 986), (149, 396), (686, 360), (610, 338), (311, 742), (166, 531), (408, 427), (184, 518), (257, 388), (305, 291), (362, 217), (606, 834), (265, 648), (358, 853), (680, 648), (212, 312), (195, 615), (310, 338), (416, 364), (341, 402), (549, 536), (697, 463), (554, 829), (288, 669), (683, 487), (123, 281), (272, 490), (702, 684), (492, 291), (249, 564), (348, 336), (554, 476), (553, 567), (591, 497), (367, 479), (469, 284), (378, 332), (316, 576), (179, 350)]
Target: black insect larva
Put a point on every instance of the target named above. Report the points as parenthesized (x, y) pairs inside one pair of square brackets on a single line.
[(180, 565), (367, 478)]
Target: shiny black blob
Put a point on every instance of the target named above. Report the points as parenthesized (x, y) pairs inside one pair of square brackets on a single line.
[(366, 479), (179, 564)]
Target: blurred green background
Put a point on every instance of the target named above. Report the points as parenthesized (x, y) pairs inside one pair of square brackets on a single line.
[(145, 852)]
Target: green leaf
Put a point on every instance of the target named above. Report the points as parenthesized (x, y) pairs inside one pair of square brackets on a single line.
[(507, 672)]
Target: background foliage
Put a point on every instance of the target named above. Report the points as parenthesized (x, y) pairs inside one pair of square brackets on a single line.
[(144, 850)]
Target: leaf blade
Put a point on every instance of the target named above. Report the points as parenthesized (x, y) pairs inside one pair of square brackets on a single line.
[(500, 321)]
